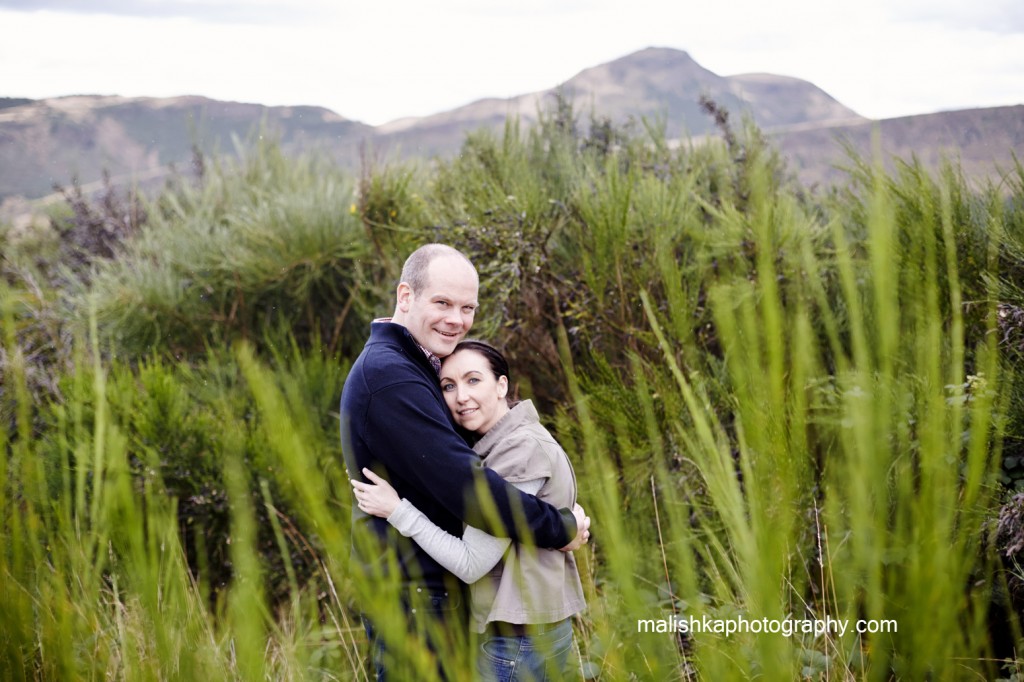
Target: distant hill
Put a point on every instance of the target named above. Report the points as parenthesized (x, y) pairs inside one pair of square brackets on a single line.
[(49, 141), (659, 84), (982, 141)]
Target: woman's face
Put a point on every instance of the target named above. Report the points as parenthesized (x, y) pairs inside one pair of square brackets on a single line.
[(475, 397)]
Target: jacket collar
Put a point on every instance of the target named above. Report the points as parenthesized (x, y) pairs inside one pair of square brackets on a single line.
[(435, 362), (521, 413)]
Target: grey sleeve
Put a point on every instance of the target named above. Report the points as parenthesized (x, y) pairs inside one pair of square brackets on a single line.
[(470, 557)]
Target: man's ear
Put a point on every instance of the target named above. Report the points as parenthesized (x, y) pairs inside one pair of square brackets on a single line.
[(404, 297)]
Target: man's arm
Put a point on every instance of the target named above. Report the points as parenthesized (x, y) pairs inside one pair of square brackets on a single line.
[(425, 452)]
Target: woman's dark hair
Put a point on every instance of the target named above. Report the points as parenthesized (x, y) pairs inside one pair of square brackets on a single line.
[(494, 357)]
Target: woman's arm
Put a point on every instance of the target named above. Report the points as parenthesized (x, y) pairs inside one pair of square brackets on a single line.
[(469, 558)]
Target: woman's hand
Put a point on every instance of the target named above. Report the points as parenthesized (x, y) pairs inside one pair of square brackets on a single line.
[(376, 500)]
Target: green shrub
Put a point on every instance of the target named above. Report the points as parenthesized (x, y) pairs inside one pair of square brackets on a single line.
[(269, 243)]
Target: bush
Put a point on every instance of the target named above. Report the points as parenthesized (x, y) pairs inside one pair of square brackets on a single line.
[(179, 424), (270, 243)]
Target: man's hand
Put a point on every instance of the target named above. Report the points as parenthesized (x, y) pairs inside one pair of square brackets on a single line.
[(582, 530)]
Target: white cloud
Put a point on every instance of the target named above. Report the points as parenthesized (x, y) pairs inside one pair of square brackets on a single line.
[(376, 61), (218, 11), (995, 16)]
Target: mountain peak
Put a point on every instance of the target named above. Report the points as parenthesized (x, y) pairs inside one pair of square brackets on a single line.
[(655, 53), (668, 84), (650, 64), (657, 83)]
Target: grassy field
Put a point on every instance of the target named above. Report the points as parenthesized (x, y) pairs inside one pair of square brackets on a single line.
[(783, 407)]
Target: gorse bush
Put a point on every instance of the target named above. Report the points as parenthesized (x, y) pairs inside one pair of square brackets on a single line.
[(266, 244), (97, 574), (179, 424), (565, 233), (779, 406)]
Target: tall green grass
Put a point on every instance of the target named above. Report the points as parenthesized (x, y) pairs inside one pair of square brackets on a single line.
[(848, 475), (94, 580), (99, 578), (778, 406)]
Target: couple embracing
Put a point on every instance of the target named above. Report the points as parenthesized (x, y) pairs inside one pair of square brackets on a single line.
[(500, 516)]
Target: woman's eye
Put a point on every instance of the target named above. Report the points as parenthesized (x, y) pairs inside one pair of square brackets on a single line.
[(447, 387), (474, 380)]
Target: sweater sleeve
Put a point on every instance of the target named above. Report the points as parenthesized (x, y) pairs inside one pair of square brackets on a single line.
[(470, 557), (410, 424)]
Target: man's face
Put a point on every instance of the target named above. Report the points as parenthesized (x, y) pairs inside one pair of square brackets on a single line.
[(440, 316)]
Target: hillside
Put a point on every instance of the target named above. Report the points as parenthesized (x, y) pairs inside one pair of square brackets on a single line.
[(659, 84), (983, 141), (52, 141)]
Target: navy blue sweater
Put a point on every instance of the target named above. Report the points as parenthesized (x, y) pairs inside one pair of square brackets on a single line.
[(394, 421)]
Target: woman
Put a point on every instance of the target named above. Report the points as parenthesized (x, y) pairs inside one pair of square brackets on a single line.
[(523, 597)]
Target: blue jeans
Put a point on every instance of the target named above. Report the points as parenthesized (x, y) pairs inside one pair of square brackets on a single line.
[(539, 656)]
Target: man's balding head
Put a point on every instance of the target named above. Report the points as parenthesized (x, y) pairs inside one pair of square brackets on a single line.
[(437, 297), (415, 270)]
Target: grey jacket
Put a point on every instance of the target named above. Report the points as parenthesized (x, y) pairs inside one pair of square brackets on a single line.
[(530, 585)]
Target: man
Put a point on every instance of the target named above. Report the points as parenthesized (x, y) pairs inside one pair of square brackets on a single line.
[(395, 422)]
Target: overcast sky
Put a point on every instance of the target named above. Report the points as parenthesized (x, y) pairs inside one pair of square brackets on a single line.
[(378, 60)]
